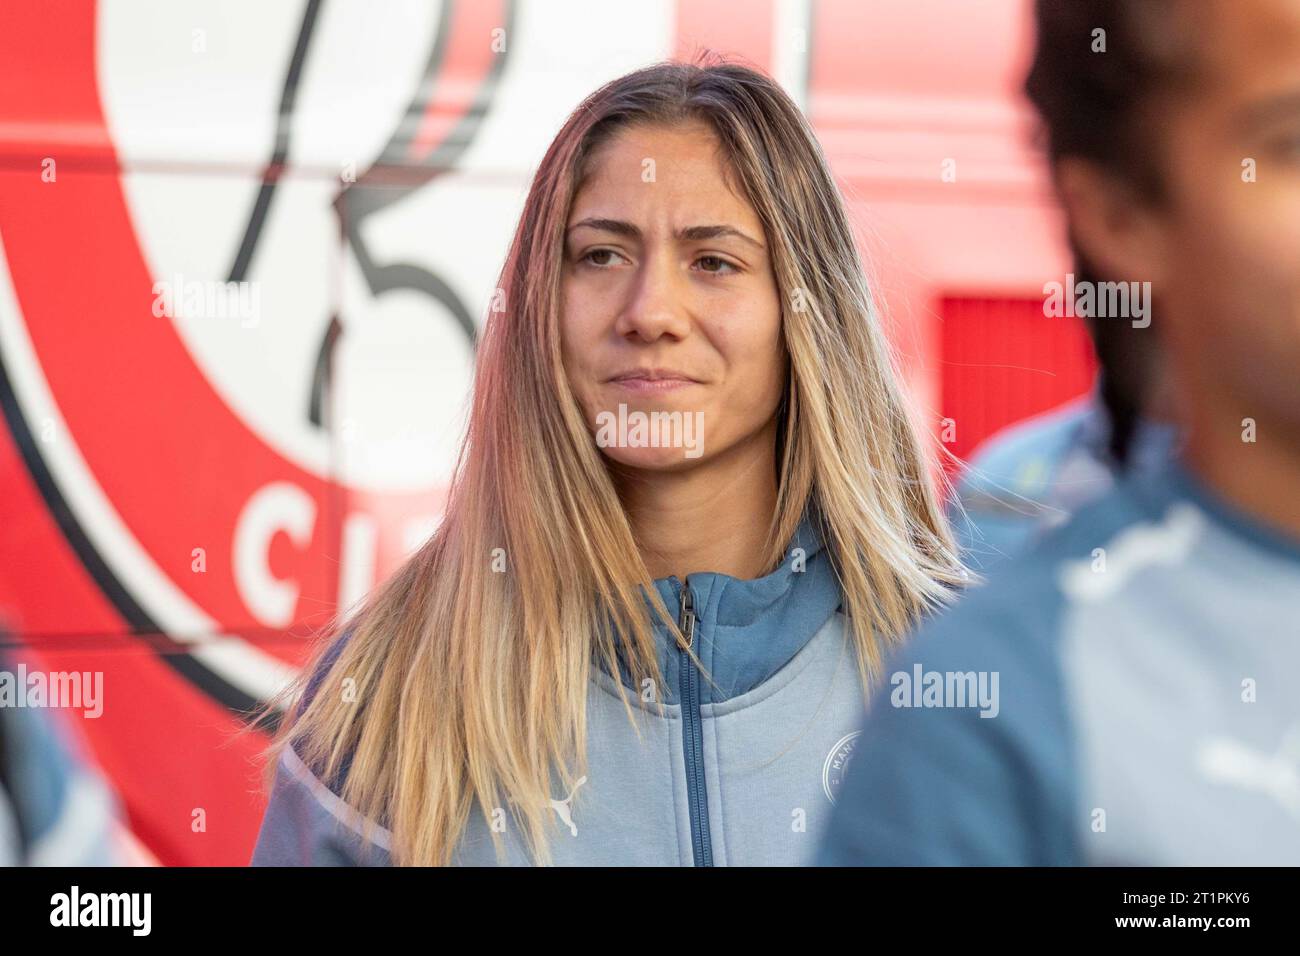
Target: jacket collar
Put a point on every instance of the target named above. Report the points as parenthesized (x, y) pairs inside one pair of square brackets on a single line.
[(747, 630)]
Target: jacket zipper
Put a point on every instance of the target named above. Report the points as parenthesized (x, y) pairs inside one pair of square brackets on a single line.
[(693, 736)]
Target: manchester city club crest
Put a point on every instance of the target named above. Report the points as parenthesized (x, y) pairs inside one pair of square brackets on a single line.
[(837, 764)]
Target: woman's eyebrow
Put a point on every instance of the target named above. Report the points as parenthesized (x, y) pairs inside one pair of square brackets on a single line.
[(687, 234)]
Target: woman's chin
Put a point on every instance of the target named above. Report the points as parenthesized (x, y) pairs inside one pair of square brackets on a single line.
[(652, 459)]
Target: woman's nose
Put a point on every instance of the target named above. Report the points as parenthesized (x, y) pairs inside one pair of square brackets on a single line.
[(657, 304)]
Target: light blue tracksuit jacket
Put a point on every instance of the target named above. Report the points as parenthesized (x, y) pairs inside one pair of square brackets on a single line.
[(1144, 711), (741, 773)]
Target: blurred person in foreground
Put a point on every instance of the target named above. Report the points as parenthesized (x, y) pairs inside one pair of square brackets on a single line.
[(1123, 693), (55, 808), (1033, 475)]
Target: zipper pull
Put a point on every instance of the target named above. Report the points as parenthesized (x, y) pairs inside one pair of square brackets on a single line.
[(686, 622)]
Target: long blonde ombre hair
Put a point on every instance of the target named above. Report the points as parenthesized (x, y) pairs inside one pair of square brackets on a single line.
[(467, 686)]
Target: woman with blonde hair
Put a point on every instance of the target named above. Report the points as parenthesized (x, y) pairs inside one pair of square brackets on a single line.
[(689, 518)]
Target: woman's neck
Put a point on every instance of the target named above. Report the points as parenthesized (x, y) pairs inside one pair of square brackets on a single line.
[(713, 517)]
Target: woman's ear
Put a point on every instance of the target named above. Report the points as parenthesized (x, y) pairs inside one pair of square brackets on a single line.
[(1116, 229)]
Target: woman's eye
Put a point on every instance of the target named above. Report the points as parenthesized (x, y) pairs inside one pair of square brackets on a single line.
[(715, 264), (609, 254)]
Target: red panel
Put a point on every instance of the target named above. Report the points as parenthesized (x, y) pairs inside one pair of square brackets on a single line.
[(1003, 360), (43, 587)]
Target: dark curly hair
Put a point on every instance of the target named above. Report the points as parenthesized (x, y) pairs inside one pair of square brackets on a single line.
[(1096, 106)]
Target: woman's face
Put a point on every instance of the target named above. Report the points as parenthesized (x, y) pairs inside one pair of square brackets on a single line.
[(671, 321)]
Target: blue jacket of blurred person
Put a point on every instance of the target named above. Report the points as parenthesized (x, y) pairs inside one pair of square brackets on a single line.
[(55, 808), (1033, 475)]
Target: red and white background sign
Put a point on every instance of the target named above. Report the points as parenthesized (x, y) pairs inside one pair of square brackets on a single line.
[(190, 492)]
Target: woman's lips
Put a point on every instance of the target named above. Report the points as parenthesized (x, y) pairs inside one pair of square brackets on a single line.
[(652, 383), (652, 386)]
